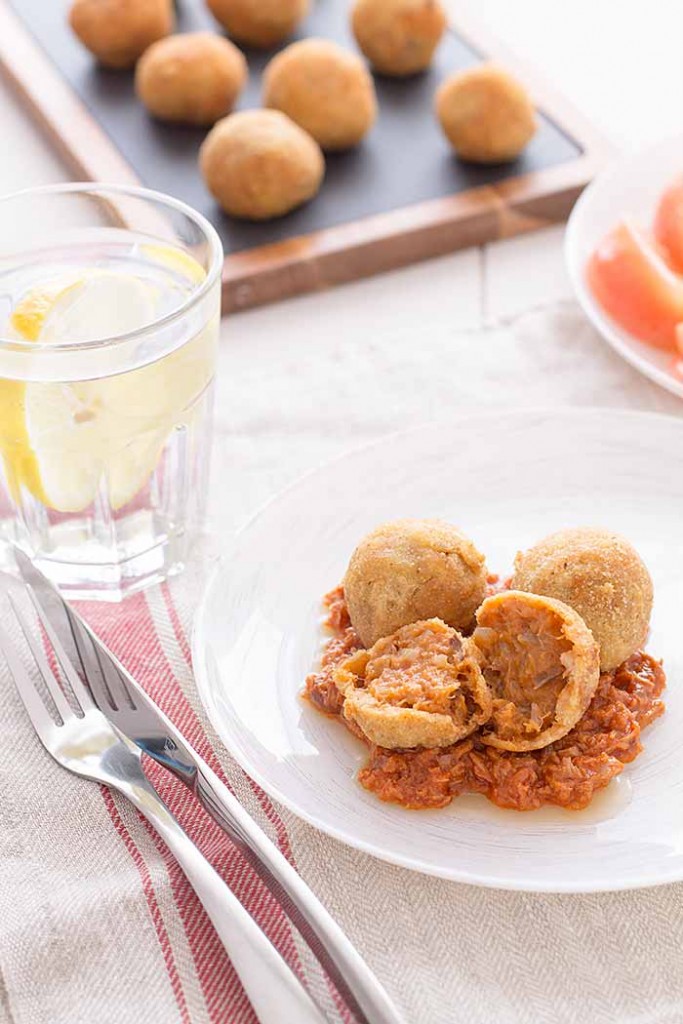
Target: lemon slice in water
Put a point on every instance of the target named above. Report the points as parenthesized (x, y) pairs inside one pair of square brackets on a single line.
[(177, 260), (66, 441), (103, 304), (29, 315)]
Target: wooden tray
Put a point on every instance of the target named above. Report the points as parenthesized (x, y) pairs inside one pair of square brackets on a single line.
[(400, 197)]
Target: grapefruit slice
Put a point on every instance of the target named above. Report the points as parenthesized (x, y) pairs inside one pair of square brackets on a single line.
[(633, 284), (668, 224)]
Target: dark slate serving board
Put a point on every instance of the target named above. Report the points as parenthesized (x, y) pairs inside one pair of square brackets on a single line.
[(404, 161)]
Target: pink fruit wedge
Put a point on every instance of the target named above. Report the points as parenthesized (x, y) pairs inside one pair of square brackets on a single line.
[(635, 287)]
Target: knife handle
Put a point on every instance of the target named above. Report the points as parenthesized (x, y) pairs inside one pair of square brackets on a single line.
[(354, 980), (275, 993)]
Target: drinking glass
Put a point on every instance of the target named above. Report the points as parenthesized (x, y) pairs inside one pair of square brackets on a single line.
[(109, 318)]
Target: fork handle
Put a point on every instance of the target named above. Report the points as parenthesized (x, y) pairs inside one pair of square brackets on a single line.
[(274, 991), (353, 978)]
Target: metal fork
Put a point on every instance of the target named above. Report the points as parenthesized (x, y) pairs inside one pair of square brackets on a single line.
[(81, 739)]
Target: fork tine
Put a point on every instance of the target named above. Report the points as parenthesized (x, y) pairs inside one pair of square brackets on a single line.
[(26, 688), (78, 688), (35, 644)]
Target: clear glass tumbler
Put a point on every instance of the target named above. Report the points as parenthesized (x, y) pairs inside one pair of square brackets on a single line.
[(109, 318)]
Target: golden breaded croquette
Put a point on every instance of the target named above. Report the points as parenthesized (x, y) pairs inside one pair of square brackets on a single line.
[(409, 570), (193, 78), (486, 114), (420, 687), (602, 577), (259, 164), (325, 89), (398, 37), (118, 32), (261, 23)]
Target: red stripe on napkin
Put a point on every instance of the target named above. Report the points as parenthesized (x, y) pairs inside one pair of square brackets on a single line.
[(225, 998), (154, 911)]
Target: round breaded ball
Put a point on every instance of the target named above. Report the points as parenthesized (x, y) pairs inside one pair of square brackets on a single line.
[(118, 32), (398, 37), (259, 164), (486, 114), (410, 570), (194, 78), (325, 89), (260, 23), (602, 577)]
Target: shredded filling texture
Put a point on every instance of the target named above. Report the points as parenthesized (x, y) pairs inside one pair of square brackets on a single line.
[(566, 773), (420, 687)]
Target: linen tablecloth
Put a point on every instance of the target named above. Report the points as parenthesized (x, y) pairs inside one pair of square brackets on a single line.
[(98, 923)]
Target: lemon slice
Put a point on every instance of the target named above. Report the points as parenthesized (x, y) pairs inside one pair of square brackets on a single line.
[(105, 304), (98, 304), (26, 323), (55, 438), (65, 460), (29, 315), (72, 443), (177, 260), (82, 444), (19, 461)]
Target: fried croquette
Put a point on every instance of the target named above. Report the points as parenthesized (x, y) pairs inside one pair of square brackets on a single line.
[(326, 89), (260, 23), (193, 78), (486, 114), (420, 687), (410, 570), (118, 32), (602, 577), (258, 164), (398, 37), (541, 663)]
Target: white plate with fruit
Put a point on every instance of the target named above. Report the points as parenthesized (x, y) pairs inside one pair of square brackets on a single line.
[(624, 253)]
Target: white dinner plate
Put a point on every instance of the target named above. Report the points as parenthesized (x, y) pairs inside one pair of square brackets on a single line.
[(630, 187), (507, 479)]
